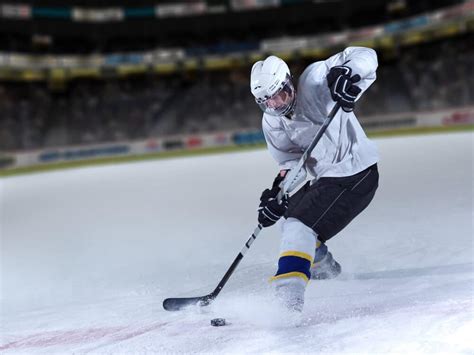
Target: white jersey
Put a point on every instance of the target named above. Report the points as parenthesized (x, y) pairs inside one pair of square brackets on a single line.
[(344, 149)]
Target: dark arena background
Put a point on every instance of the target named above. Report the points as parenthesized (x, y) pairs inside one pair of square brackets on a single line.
[(146, 77), (132, 158)]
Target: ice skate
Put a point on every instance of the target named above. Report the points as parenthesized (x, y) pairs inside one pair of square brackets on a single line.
[(324, 266), (290, 295)]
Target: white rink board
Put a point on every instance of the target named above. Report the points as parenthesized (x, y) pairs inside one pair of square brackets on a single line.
[(441, 118)]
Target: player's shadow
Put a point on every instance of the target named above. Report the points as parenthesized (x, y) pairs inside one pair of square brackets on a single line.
[(411, 272)]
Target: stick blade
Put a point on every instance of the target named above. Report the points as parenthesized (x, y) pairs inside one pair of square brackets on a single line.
[(177, 304)]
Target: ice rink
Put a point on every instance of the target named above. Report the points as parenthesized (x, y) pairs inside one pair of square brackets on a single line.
[(88, 255)]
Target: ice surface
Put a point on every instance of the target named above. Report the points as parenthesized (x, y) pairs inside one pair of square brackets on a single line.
[(88, 255)]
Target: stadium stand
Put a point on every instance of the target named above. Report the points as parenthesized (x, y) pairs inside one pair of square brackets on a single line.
[(436, 74)]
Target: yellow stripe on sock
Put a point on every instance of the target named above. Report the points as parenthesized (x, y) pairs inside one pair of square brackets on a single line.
[(298, 254), (290, 274), (318, 244)]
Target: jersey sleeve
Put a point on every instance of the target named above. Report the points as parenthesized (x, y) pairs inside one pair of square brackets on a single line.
[(361, 60), (281, 148)]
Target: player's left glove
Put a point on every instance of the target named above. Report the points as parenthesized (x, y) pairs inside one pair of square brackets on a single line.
[(342, 86), (269, 210)]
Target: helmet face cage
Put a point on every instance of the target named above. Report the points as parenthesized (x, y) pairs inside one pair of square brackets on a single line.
[(281, 102)]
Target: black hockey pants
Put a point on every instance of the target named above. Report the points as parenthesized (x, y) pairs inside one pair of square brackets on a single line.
[(331, 203)]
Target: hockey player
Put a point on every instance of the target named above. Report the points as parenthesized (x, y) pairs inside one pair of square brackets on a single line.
[(343, 165)]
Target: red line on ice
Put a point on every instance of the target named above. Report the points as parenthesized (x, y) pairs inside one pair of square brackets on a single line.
[(78, 336)]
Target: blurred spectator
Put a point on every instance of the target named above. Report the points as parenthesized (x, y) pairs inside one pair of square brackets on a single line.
[(427, 77)]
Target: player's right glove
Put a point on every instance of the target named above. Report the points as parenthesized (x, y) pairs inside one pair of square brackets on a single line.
[(341, 85), (269, 210)]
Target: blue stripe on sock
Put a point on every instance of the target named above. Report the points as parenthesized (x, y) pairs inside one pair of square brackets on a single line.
[(287, 264)]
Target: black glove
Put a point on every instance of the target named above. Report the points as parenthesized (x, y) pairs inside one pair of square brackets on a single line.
[(342, 87), (270, 211)]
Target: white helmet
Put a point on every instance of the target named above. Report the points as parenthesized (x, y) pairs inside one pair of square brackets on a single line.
[(270, 83)]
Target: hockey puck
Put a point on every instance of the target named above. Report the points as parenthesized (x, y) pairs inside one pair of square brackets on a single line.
[(218, 322)]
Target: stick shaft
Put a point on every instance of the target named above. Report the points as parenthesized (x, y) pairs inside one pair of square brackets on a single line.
[(287, 184), (237, 260)]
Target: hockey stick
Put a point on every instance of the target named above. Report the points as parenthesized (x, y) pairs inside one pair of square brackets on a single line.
[(176, 304)]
